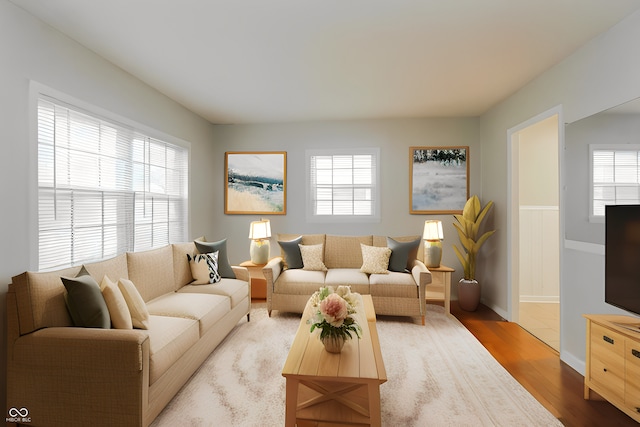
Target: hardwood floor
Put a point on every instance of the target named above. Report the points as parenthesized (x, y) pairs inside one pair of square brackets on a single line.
[(539, 369)]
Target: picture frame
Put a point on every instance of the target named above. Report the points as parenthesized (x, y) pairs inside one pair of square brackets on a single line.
[(438, 179), (255, 183)]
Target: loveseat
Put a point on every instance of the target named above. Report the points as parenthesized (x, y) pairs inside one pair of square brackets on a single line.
[(64, 375), (397, 288)]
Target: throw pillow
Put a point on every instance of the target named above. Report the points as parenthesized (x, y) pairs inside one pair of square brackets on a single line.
[(204, 268), (375, 260), (292, 256), (118, 309), (137, 307), (402, 253), (224, 267), (312, 257), (85, 301)]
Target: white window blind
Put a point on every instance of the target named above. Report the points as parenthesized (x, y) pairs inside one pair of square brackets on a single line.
[(615, 177), (343, 184), (104, 188)]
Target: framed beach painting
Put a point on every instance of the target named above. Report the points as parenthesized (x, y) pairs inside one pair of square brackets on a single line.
[(438, 179), (255, 182)]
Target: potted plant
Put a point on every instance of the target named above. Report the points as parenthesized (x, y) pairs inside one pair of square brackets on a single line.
[(334, 315), (468, 227)]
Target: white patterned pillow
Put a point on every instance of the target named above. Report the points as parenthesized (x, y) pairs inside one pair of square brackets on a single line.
[(204, 268), (137, 307), (375, 260), (312, 257)]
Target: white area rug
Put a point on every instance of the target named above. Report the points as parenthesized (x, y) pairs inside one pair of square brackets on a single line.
[(438, 375)]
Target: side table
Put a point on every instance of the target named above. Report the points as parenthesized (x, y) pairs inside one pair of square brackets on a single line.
[(258, 281), (440, 286)]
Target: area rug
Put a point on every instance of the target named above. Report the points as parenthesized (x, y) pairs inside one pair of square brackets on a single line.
[(438, 375)]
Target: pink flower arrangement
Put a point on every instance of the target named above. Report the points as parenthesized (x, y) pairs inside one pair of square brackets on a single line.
[(334, 312)]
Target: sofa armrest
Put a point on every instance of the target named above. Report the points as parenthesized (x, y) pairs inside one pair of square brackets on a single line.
[(242, 273), (271, 271), (55, 372), (422, 277)]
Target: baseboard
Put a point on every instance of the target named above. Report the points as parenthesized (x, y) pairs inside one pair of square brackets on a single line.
[(575, 363)]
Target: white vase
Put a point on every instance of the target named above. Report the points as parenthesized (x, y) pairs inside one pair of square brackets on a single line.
[(333, 343)]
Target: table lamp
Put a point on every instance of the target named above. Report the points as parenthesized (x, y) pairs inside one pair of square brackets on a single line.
[(432, 237), (259, 233)]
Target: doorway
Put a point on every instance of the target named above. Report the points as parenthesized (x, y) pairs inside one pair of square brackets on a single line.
[(535, 227)]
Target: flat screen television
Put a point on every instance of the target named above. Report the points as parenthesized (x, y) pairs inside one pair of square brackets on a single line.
[(622, 257)]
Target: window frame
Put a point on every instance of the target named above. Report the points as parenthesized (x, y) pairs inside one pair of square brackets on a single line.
[(39, 91), (375, 186), (593, 218)]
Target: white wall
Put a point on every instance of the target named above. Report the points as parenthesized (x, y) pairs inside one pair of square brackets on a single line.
[(31, 50), (602, 74), (393, 137)]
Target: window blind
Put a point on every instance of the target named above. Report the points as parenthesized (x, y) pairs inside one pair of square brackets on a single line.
[(104, 188), (616, 178), (343, 184)]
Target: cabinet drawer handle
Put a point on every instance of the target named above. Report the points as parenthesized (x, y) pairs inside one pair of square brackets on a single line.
[(636, 353), (607, 339)]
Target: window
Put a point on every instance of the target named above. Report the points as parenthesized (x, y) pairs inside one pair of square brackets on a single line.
[(615, 177), (104, 188), (343, 185)]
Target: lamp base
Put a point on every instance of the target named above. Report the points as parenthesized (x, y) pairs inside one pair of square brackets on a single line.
[(432, 253), (259, 251)]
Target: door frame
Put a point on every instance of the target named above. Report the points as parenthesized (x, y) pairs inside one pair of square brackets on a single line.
[(513, 214)]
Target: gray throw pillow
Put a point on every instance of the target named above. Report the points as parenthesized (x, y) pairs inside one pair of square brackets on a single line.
[(224, 267), (292, 256), (85, 301), (402, 253)]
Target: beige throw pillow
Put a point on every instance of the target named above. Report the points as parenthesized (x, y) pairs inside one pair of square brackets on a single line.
[(118, 309), (375, 260), (312, 257), (137, 307)]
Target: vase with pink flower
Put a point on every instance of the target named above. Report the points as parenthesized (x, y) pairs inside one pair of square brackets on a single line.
[(333, 313)]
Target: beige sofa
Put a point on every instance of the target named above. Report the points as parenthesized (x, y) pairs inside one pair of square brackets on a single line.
[(75, 376), (393, 293)]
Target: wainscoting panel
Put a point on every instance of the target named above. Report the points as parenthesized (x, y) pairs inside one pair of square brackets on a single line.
[(539, 254)]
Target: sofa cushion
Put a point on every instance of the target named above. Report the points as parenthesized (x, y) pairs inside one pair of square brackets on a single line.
[(394, 284), (206, 309), (115, 268), (151, 271), (312, 258), (135, 303), (224, 267), (344, 251), (85, 301), (40, 299), (237, 290), (169, 339), (299, 282), (353, 277), (402, 253), (292, 256), (375, 259), (204, 268), (117, 305), (181, 268)]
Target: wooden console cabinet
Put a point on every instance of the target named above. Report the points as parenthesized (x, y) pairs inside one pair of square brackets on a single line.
[(613, 361)]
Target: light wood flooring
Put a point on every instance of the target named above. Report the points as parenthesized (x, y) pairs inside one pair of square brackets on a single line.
[(542, 319), (539, 369)]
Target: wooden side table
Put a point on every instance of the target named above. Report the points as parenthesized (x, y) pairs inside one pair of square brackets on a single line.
[(440, 287), (258, 281)]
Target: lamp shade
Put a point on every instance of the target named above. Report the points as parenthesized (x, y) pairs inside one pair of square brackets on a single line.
[(433, 230), (260, 229)]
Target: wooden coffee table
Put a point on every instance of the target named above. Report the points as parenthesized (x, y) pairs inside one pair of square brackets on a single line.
[(331, 388)]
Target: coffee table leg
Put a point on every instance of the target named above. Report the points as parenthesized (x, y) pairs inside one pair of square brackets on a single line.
[(374, 404), (292, 402)]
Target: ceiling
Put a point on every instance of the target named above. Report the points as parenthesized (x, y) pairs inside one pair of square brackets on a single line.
[(260, 61)]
